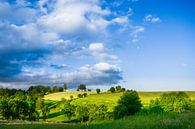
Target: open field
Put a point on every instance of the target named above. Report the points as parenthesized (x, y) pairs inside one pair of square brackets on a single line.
[(152, 121), (109, 99), (106, 98)]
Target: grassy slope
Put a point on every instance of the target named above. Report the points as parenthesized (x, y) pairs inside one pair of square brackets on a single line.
[(152, 121), (109, 99)]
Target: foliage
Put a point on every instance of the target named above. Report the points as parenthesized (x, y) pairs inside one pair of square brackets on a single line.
[(128, 104), (175, 102), (98, 90), (68, 110), (112, 90), (61, 89), (84, 94), (118, 88), (65, 87), (81, 87), (39, 89), (19, 106), (55, 89)]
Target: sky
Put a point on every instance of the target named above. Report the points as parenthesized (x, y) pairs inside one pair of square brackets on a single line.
[(144, 45)]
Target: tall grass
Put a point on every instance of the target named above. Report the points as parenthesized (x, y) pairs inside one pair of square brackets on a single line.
[(139, 121)]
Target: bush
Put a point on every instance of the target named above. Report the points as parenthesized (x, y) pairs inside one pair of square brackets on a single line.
[(175, 102), (98, 90), (155, 107), (128, 104), (84, 94), (80, 96)]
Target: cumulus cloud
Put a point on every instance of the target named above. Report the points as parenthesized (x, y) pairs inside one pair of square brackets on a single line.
[(41, 40), (151, 18), (70, 16), (98, 74)]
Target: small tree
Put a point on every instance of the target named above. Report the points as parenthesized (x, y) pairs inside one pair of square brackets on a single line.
[(71, 97), (84, 94), (80, 96), (112, 90), (61, 89), (55, 89), (82, 87), (175, 101), (123, 90), (69, 110), (118, 88), (98, 90), (65, 87), (128, 104)]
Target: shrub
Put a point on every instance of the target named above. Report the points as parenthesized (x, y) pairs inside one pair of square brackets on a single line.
[(128, 104), (98, 90), (69, 110), (84, 94), (155, 107), (175, 102), (80, 96)]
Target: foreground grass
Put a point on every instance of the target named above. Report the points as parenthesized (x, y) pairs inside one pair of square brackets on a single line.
[(151, 121)]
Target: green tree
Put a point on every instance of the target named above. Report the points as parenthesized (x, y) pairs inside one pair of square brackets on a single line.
[(65, 87), (82, 87), (69, 110), (118, 88), (82, 112), (55, 89), (112, 90), (98, 90), (175, 101), (128, 104), (61, 89)]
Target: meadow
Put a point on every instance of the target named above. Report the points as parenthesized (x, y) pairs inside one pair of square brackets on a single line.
[(57, 120), (152, 121), (108, 99)]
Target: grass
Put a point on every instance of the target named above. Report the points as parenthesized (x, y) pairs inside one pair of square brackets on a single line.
[(109, 99), (59, 95), (151, 121)]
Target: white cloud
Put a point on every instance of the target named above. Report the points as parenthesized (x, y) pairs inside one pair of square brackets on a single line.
[(136, 31), (70, 16), (98, 74), (96, 47), (151, 18), (121, 20)]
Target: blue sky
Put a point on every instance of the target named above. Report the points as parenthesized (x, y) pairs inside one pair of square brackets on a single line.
[(139, 44)]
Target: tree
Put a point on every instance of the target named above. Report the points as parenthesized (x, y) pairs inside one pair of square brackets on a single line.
[(118, 88), (98, 90), (80, 96), (82, 112), (61, 89), (69, 110), (112, 89), (82, 87), (128, 104), (84, 94), (55, 89), (44, 109), (175, 102), (123, 89), (65, 87)]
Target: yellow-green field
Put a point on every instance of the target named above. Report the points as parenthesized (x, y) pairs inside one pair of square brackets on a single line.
[(109, 99)]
